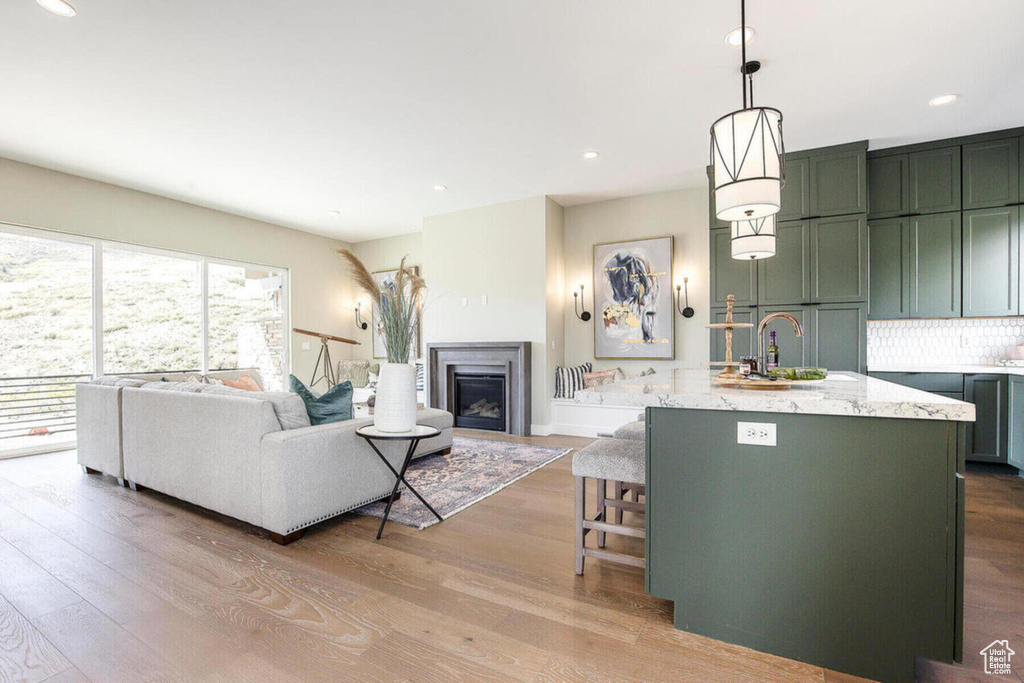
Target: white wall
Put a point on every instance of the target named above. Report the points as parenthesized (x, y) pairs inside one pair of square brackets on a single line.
[(497, 252), (682, 214), (555, 289), (320, 292)]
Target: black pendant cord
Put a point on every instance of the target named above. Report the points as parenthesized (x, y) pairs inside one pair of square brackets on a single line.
[(743, 48)]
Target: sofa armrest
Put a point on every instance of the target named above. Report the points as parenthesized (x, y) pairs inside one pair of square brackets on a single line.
[(98, 426), (314, 473)]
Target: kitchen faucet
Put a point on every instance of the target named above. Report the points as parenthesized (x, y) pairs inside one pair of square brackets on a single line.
[(762, 360)]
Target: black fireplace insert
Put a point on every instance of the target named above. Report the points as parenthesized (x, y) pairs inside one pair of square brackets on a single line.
[(480, 401)]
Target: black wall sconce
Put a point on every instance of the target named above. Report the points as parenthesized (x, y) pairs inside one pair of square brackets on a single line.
[(686, 312), (577, 303), (360, 323)]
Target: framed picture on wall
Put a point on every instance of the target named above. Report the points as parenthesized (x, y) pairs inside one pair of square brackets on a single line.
[(633, 300), (385, 279)]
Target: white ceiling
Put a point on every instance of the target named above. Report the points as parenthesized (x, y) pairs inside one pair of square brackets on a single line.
[(284, 111)]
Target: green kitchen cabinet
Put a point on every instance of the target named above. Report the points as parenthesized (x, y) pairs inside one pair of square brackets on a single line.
[(935, 268), (889, 186), (838, 182), (743, 339), (1020, 167), (730, 276), (991, 173), (987, 436), (838, 259), (793, 351), (889, 269), (785, 277), (934, 180), (839, 336), (796, 193), (1015, 422), (991, 262)]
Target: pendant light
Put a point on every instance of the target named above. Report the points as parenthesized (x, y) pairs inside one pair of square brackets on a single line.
[(755, 238), (748, 161)]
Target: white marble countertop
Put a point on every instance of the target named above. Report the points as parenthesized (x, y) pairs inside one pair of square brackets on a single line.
[(844, 393), (966, 369)]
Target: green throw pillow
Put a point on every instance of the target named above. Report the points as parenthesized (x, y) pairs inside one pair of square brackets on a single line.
[(355, 371), (335, 405)]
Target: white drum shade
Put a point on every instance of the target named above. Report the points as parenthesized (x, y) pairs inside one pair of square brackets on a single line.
[(749, 164), (754, 239)]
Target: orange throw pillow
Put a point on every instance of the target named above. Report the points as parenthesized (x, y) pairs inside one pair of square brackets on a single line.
[(244, 382)]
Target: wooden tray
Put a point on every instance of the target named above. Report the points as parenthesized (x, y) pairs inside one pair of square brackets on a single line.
[(760, 384)]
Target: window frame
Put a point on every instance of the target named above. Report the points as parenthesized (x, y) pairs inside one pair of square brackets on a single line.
[(99, 245)]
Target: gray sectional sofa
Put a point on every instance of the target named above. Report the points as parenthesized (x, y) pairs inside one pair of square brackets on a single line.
[(226, 450)]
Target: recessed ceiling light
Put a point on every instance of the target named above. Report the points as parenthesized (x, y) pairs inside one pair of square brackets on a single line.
[(440, 188), (943, 100), (732, 38), (334, 212), (591, 155), (58, 7)]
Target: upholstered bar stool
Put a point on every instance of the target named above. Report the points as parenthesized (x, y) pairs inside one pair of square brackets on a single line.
[(621, 461), (634, 431)]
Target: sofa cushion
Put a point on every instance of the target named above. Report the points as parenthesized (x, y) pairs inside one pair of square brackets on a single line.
[(432, 417), (244, 382), (163, 385), (597, 379), (334, 405), (570, 380), (355, 371), (217, 376), (289, 408), (115, 381)]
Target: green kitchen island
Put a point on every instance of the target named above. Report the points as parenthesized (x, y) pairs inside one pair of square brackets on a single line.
[(841, 545)]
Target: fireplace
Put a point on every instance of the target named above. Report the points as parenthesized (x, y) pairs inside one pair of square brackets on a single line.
[(462, 374), (480, 401)]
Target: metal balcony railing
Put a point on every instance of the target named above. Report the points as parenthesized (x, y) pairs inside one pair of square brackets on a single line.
[(37, 406)]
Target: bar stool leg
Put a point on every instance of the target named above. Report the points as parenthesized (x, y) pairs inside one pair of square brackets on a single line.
[(581, 490), (618, 496), (602, 509)]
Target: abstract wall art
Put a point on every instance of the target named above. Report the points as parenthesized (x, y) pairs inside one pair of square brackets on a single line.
[(386, 280), (633, 298)]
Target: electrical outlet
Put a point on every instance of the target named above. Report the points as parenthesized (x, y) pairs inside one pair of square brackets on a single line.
[(756, 433)]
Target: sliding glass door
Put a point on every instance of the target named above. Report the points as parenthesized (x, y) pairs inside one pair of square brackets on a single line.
[(245, 320), (72, 308), (152, 311), (46, 338)]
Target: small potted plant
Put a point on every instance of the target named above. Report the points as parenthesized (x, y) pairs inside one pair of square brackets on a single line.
[(398, 309)]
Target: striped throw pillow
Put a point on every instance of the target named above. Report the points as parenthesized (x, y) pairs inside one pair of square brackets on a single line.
[(569, 380)]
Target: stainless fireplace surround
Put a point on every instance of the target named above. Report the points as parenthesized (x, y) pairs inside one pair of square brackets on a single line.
[(510, 359)]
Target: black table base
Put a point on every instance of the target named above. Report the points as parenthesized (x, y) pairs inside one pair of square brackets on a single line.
[(400, 479)]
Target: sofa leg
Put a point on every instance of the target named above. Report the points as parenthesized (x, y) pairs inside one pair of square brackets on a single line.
[(446, 451), (136, 487), (287, 538), (89, 470), (122, 483)]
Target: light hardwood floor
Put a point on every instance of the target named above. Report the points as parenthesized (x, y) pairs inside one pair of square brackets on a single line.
[(104, 584)]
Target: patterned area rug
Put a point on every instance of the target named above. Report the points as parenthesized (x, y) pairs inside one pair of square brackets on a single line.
[(474, 470)]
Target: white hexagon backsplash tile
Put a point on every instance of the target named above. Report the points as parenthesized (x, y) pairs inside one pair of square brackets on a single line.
[(932, 342)]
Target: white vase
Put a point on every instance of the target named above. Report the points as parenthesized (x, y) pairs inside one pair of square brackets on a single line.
[(395, 406)]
